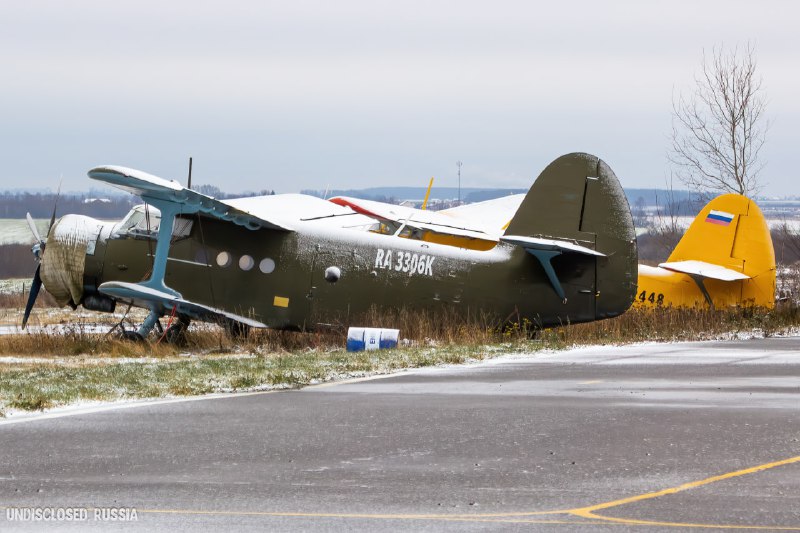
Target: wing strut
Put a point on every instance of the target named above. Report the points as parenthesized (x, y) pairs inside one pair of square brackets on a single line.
[(156, 280), (168, 212)]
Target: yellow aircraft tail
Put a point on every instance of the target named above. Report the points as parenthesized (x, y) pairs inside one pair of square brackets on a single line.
[(728, 251)]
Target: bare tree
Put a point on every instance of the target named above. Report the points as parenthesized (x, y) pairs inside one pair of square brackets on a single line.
[(719, 130), (665, 228)]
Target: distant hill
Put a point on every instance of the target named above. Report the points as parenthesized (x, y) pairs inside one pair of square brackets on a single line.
[(649, 197), (468, 194)]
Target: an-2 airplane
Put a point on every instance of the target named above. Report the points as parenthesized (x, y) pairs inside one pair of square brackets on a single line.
[(298, 262)]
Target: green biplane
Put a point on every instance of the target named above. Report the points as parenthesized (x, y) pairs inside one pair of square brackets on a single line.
[(293, 261)]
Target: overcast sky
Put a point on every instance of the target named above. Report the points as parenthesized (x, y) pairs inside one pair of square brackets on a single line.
[(294, 94)]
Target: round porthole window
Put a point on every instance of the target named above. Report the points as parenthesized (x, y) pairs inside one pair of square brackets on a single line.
[(246, 262), (224, 259), (266, 265), (332, 274)]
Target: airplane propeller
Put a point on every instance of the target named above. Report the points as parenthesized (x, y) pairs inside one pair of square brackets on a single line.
[(38, 251), (35, 286), (34, 229)]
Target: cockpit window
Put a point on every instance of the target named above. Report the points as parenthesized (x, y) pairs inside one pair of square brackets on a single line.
[(144, 222), (182, 228), (141, 221)]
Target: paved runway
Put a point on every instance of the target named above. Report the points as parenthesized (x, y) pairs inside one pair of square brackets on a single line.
[(648, 438)]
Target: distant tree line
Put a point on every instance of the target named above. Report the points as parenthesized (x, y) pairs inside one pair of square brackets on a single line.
[(482, 196), (215, 192), (40, 205), (352, 193), (395, 195)]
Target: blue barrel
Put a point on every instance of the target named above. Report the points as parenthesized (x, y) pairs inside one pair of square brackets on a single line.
[(359, 339)]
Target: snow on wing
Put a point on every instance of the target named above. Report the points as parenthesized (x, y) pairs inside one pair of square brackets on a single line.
[(706, 270), (150, 187), (418, 218)]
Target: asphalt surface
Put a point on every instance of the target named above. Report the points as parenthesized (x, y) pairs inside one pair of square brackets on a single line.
[(654, 438)]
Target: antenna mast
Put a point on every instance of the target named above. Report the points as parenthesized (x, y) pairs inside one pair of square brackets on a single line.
[(189, 185), (458, 164)]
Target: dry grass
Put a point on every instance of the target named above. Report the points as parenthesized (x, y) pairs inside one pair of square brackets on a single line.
[(667, 325), (418, 328), (79, 341), (444, 325), (18, 300)]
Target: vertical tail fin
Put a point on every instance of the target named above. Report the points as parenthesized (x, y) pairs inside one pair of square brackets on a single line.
[(578, 198), (730, 231)]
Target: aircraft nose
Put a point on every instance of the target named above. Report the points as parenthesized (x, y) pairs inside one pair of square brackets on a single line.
[(64, 259)]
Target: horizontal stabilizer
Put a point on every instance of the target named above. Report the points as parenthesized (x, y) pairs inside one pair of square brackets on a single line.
[(149, 298), (545, 250), (150, 187), (706, 270), (536, 243)]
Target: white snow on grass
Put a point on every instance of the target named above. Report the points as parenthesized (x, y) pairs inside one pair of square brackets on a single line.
[(83, 407)]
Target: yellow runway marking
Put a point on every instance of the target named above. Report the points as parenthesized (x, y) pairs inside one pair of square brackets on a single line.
[(687, 486), (388, 516), (433, 517), (686, 525), (588, 514), (591, 382)]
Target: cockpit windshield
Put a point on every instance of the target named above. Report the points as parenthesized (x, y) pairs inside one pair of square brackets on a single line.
[(145, 220), (141, 220)]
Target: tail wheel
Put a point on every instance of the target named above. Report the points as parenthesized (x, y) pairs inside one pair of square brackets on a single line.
[(131, 335)]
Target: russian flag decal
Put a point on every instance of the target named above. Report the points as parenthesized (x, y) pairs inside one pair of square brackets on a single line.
[(719, 217)]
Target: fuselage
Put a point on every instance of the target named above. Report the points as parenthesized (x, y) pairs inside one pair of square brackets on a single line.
[(295, 261), (279, 278)]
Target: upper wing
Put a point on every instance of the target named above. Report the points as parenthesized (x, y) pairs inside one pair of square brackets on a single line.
[(706, 270), (496, 213), (154, 188), (298, 209), (418, 218)]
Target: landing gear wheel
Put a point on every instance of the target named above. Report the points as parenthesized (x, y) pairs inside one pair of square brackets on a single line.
[(132, 336)]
